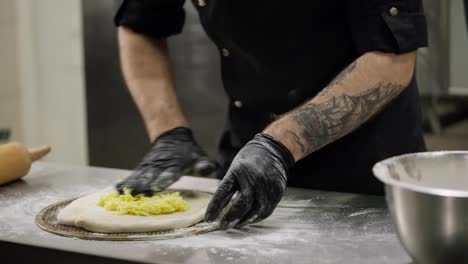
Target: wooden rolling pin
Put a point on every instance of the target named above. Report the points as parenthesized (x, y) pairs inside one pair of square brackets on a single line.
[(16, 159)]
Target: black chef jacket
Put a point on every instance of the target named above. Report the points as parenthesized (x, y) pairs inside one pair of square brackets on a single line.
[(278, 54)]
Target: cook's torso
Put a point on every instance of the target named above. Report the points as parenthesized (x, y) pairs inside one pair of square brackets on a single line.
[(275, 56)]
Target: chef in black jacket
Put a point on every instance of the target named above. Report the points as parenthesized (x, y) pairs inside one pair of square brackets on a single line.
[(318, 91)]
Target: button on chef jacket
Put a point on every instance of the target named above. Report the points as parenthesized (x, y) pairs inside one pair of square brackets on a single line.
[(278, 54)]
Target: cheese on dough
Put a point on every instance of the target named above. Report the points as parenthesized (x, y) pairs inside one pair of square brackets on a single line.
[(85, 213), (163, 203)]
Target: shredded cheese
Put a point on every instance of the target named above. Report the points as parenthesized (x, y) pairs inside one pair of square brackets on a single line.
[(163, 203)]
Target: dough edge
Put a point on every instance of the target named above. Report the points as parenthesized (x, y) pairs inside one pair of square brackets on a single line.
[(85, 213)]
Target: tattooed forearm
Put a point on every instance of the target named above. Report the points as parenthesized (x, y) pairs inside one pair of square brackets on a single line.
[(343, 74), (339, 78), (296, 140), (360, 91), (324, 122)]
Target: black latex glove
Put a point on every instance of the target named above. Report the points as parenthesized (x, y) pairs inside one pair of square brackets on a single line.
[(259, 174), (173, 154)]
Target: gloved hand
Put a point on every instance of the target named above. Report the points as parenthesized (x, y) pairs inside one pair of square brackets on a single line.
[(174, 153), (259, 174)]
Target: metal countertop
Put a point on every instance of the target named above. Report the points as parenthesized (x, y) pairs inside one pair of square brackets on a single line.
[(307, 227)]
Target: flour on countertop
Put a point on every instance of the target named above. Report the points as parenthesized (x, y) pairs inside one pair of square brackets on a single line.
[(315, 226)]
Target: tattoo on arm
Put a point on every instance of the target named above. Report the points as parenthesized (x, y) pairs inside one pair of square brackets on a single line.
[(343, 74), (339, 77), (296, 140), (326, 121)]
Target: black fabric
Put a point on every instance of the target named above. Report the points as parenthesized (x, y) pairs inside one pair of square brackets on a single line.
[(155, 18), (282, 54), (466, 13), (374, 28)]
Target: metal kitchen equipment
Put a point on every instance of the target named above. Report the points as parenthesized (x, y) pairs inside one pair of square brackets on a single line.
[(427, 194), (441, 67)]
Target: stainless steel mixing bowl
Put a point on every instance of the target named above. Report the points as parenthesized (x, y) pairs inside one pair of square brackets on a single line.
[(427, 195)]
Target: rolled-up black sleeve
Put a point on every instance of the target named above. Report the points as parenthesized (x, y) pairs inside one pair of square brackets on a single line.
[(154, 18), (397, 26)]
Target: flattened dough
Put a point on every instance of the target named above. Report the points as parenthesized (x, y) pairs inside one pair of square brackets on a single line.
[(85, 213)]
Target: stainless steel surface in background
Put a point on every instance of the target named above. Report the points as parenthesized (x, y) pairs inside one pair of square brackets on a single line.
[(116, 134), (307, 227), (441, 66), (432, 69), (427, 194)]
